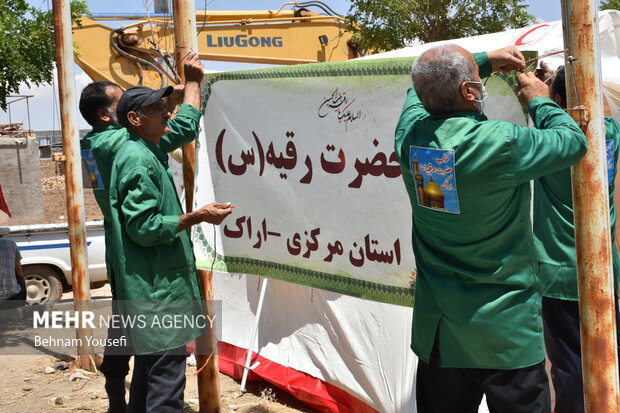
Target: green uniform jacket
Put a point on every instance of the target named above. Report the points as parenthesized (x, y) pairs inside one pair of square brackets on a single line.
[(477, 287), (554, 229), (154, 264), (105, 140)]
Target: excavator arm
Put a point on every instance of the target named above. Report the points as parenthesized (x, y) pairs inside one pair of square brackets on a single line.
[(140, 53)]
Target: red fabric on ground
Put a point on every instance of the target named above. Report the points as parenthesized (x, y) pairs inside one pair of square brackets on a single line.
[(3, 206), (316, 393)]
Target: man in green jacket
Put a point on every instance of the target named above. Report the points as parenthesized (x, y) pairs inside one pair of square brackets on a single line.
[(98, 103), (154, 264), (554, 233), (476, 319)]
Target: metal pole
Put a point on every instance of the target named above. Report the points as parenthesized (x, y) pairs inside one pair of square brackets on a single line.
[(591, 209), (28, 112), (248, 358), (208, 377), (186, 42), (73, 174)]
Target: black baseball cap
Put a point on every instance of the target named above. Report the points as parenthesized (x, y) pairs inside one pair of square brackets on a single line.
[(136, 97)]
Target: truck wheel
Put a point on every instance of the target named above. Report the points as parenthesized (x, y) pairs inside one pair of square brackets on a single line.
[(98, 284), (43, 285)]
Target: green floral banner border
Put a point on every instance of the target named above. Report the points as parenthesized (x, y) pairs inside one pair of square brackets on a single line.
[(373, 67)]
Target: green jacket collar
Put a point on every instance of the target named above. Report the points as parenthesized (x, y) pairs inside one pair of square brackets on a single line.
[(103, 128), (159, 154), (463, 114)]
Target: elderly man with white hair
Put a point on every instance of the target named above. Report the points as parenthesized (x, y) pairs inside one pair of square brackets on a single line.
[(476, 322)]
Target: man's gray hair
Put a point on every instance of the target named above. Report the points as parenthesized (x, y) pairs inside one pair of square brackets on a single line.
[(437, 77)]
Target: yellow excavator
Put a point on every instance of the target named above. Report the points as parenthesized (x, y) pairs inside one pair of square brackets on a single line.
[(141, 52)]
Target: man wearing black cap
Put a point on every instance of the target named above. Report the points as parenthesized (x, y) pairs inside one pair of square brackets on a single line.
[(98, 104), (154, 261)]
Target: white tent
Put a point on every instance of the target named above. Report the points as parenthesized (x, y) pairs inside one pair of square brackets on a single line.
[(345, 353), (544, 38)]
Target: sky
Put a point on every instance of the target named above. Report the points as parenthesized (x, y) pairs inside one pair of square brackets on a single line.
[(44, 112)]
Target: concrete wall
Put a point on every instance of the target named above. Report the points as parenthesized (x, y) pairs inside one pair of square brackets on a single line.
[(20, 178)]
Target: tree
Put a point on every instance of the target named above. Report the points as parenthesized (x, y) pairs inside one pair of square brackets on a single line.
[(27, 51), (610, 5), (392, 24)]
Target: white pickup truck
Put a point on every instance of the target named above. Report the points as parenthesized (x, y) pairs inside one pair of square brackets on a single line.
[(46, 258)]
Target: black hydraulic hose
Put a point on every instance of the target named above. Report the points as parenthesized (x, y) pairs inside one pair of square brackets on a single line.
[(137, 60), (320, 5)]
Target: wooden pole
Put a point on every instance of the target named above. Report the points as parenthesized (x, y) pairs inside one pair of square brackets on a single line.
[(73, 175), (207, 364), (186, 42), (208, 377)]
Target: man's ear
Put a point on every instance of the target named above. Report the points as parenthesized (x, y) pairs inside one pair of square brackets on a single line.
[(104, 115), (467, 92), (134, 119)]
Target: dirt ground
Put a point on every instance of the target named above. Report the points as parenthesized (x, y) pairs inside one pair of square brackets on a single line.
[(25, 387), (54, 195)]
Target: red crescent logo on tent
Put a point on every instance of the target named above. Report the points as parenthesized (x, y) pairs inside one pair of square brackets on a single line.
[(521, 40)]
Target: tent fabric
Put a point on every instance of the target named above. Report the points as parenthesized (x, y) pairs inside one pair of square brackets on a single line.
[(544, 38), (351, 345), (320, 395)]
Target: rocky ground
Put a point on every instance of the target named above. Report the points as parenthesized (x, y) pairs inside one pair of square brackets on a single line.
[(26, 387)]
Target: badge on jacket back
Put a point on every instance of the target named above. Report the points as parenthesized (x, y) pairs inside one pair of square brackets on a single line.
[(609, 150), (91, 176), (435, 181)]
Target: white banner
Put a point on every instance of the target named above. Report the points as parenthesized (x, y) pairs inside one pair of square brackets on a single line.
[(307, 157)]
